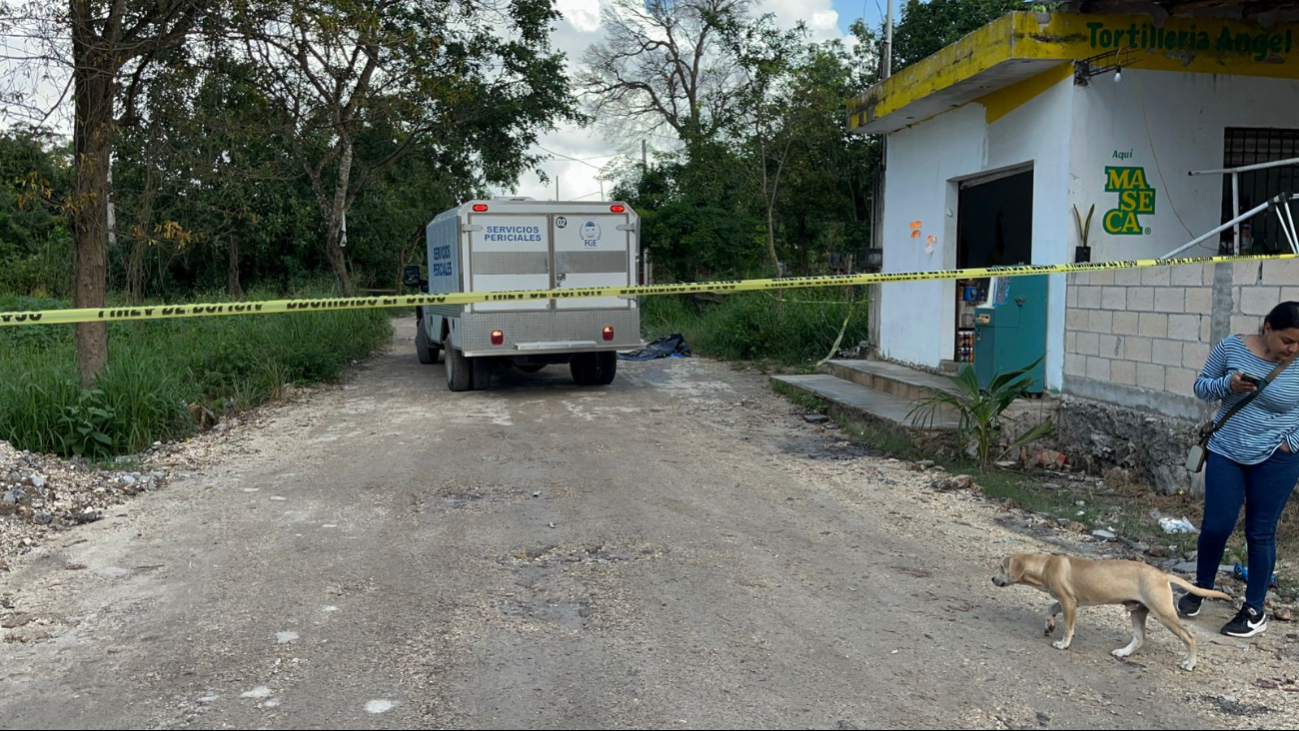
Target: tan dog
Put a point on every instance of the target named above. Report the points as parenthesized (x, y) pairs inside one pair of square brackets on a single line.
[(1079, 582)]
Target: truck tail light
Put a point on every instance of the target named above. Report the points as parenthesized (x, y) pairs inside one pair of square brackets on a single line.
[(618, 208), (480, 207), (607, 333), (498, 337)]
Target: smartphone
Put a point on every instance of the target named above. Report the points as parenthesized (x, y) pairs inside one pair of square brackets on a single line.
[(1250, 379)]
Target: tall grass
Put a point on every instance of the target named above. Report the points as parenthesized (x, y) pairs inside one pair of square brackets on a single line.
[(163, 372), (800, 329)]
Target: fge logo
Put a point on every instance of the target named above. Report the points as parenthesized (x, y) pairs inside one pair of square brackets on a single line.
[(591, 234)]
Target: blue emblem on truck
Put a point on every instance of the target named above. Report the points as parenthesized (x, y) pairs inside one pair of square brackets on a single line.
[(591, 234)]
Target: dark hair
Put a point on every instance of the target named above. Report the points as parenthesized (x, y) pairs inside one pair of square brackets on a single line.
[(1284, 316)]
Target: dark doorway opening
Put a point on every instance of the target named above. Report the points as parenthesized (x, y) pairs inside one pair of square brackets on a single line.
[(994, 227)]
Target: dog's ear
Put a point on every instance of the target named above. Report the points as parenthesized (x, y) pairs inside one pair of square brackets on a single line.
[(1015, 568)]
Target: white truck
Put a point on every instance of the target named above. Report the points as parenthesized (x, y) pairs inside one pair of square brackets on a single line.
[(521, 244)]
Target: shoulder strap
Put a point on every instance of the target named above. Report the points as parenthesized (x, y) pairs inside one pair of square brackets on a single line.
[(1245, 401)]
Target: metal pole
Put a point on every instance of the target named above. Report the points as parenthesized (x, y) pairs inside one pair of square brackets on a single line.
[(1281, 198), (1235, 209), (1290, 234), (1248, 168)]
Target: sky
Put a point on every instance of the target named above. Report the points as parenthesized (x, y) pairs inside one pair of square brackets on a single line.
[(576, 155)]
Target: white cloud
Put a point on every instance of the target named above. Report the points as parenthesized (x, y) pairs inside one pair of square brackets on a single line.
[(583, 15), (820, 16)]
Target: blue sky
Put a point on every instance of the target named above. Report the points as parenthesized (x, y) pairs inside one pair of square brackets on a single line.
[(871, 10)]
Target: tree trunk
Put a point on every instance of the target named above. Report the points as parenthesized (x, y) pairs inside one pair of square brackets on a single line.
[(92, 133), (333, 246), (768, 197), (334, 217), (232, 269)]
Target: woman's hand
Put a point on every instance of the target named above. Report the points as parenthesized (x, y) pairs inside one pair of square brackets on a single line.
[(1240, 385)]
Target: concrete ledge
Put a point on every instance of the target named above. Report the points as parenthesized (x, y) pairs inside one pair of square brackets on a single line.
[(904, 382), (859, 400), (1158, 403)]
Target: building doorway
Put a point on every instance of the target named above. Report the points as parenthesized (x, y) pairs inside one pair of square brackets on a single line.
[(994, 227)]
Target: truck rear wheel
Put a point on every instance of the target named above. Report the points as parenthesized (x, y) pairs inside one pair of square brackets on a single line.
[(606, 368), (481, 369), (594, 369), (459, 376), (582, 366)]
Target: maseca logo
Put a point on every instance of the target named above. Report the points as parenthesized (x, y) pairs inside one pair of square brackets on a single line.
[(1136, 198)]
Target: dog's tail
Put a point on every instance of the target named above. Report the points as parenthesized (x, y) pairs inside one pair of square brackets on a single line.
[(1197, 590)]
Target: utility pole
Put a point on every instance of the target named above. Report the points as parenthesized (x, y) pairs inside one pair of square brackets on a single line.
[(874, 291), (888, 41)]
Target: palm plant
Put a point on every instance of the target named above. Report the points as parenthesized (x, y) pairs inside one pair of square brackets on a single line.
[(980, 410)]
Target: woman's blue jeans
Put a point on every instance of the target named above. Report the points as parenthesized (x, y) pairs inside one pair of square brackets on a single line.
[(1263, 489)]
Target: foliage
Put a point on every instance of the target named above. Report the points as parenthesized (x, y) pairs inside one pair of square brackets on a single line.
[(980, 410)]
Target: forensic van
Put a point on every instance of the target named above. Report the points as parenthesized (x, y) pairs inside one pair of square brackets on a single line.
[(507, 244)]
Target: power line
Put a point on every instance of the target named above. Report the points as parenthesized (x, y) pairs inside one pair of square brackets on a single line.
[(576, 159)]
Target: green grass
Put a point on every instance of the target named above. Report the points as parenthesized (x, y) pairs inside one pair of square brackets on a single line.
[(801, 398), (889, 442), (160, 372), (1026, 492), (758, 326)]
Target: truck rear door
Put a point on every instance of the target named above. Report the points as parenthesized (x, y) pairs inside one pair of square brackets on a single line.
[(592, 251), (509, 252)]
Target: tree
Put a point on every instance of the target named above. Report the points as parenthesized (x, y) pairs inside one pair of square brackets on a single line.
[(197, 169), (469, 83), (786, 181), (928, 26), (766, 55), (110, 42), (35, 241), (663, 64), (827, 172)]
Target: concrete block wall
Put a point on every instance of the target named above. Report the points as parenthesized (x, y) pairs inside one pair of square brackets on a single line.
[(1143, 328), (1257, 288), (1135, 342)]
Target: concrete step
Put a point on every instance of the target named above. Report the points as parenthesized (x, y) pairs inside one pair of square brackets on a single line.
[(905, 383), (861, 400)]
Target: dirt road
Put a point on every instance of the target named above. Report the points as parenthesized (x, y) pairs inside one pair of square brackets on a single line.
[(679, 550)]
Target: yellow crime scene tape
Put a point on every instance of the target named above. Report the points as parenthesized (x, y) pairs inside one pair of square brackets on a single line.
[(159, 312)]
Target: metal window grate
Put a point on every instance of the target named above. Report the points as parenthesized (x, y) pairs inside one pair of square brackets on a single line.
[(1250, 146)]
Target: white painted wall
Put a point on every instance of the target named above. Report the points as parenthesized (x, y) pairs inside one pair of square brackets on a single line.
[(1172, 123), (925, 162)]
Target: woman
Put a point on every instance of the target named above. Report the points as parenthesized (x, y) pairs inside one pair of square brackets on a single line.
[(1253, 458)]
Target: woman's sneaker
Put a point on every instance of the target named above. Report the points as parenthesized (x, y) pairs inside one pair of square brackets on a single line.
[(1189, 604), (1247, 623)]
